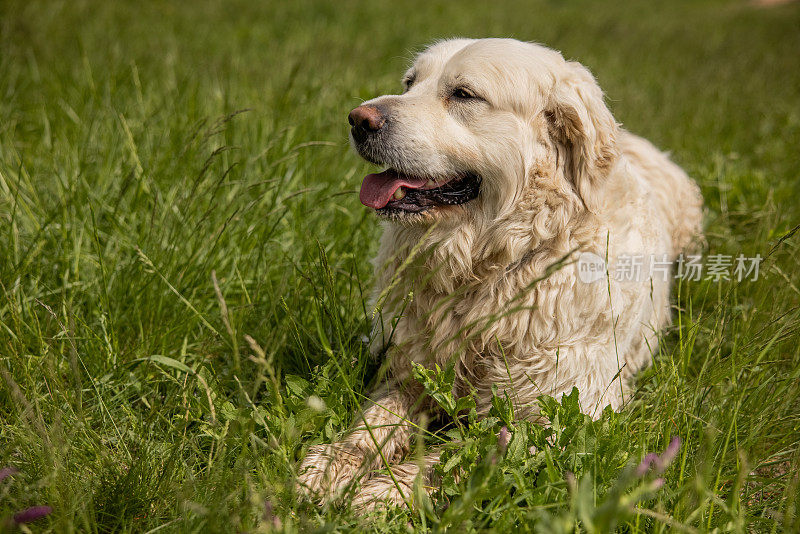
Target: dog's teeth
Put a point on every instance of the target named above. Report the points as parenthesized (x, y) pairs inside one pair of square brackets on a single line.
[(400, 193), (430, 183)]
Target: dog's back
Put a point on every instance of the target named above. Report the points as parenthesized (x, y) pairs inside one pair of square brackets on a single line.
[(675, 195)]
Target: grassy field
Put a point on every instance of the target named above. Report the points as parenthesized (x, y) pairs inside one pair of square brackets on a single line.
[(184, 263)]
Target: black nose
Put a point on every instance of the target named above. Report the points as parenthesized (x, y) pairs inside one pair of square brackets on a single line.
[(365, 120)]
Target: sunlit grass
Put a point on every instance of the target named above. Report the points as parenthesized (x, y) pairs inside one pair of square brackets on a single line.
[(184, 263)]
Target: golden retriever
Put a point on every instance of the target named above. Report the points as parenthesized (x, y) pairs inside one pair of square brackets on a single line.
[(502, 164)]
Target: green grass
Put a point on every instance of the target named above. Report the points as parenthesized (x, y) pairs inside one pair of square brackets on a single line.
[(147, 148)]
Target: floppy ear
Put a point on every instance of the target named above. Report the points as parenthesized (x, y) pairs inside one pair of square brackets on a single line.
[(584, 128)]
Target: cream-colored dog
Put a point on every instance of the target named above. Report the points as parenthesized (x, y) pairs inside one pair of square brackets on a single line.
[(505, 171)]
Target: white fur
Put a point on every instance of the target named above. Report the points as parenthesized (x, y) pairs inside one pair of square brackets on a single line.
[(469, 284)]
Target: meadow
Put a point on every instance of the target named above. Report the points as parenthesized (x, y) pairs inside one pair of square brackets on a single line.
[(184, 269)]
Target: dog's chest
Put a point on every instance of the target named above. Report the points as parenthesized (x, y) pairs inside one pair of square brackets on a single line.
[(485, 326)]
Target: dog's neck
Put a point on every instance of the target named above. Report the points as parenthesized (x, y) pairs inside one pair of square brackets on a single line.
[(445, 259), (460, 252)]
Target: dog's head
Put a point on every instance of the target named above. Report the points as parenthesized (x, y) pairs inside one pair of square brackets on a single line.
[(485, 130)]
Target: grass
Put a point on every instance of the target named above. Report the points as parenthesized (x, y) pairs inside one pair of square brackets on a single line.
[(183, 264)]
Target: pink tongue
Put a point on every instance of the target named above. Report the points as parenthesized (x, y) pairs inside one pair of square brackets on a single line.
[(377, 189)]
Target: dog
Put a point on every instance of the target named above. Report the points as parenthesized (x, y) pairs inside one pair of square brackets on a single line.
[(502, 163)]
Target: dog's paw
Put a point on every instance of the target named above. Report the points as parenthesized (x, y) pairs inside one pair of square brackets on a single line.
[(313, 473), (326, 470), (381, 491)]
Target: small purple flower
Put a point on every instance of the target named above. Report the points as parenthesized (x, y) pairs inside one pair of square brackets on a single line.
[(269, 515), (659, 462), (32, 514), (503, 438), (672, 451), (649, 459), (7, 471)]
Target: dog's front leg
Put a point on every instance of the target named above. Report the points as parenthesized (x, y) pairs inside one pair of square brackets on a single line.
[(380, 435)]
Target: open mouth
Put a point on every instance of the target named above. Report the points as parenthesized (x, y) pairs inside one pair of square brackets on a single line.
[(392, 191)]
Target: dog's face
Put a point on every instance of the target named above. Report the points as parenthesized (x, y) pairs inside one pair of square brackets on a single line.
[(476, 122)]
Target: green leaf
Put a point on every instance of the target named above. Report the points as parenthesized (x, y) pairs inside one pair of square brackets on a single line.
[(296, 385), (517, 447), (452, 462), (169, 362)]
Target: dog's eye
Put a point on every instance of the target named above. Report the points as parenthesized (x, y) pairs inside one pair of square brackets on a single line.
[(463, 93), (408, 82)]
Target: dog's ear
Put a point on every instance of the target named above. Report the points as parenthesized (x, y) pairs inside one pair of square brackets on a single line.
[(583, 126)]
